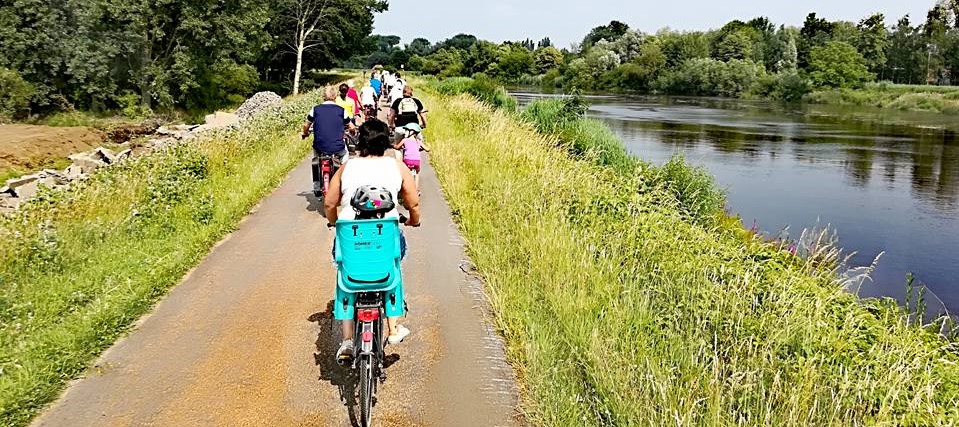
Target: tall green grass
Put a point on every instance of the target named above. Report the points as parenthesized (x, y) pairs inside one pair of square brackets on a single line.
[(481, 86), (78, 267), (939, 99), (619, 309)]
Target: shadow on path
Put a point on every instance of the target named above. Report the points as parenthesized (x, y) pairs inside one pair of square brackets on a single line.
[(314, 204), (343, 378)]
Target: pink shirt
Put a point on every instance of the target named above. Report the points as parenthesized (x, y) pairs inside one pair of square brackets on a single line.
[(411, 149)]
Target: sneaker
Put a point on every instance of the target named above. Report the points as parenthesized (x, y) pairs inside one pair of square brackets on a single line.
[(345, 354), (399, 336)]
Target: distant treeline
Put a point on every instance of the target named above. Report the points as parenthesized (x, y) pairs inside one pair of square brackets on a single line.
[(188, 54), (754, 57)]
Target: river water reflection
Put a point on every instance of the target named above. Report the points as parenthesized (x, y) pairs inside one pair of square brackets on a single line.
[(886, 181)]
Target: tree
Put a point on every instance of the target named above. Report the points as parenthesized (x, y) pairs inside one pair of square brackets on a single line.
[(790, 56), (547, 59), (328, 25), (906, 53), (838, 65), (873, 42), (544, 43), (609, 32), (460, 41), (680, 47), (481, 57), (736, 45), (628, 45), (419, 46), (15, 94), (815, 32), (514, 61)]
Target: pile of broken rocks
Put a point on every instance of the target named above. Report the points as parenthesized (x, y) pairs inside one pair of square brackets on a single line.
[(18, 190)]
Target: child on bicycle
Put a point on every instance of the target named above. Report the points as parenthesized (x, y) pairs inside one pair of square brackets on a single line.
[(411, 147)]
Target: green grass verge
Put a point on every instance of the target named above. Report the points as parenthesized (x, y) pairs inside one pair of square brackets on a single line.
[(78, 267), (620, 309), (938, 99)]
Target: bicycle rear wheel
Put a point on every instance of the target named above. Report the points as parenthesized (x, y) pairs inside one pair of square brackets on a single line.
[(366, 391)]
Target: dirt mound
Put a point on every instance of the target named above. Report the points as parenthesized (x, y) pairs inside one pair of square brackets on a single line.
[(30, 147)]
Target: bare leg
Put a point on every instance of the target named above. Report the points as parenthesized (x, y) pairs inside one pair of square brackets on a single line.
[(347, 326), (391, 324)]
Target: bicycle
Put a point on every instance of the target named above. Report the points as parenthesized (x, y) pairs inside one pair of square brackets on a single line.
[(324, 167), (367, 253)]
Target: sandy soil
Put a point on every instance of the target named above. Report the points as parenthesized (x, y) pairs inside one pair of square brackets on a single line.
[(29, 147)]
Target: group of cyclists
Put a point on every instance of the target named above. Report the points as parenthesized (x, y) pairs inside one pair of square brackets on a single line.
[(366, 171)]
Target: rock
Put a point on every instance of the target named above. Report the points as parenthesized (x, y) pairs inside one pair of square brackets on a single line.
[(258, 103), (15, 183), (27, 190), (53, 178), (124, 154), (104, 155), (9, 204), (86, 162), (219, 120), (73, 171)]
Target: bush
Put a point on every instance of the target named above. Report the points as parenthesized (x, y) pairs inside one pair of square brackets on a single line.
[(711, 77), (787, 86), (15, 94), (131, 107)]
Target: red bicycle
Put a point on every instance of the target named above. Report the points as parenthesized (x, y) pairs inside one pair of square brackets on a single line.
[(324, 167)]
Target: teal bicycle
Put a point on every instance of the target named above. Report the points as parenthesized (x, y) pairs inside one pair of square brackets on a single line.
[(369, 288)]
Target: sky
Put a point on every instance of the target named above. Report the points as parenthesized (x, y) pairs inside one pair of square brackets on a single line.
[(565, 22)]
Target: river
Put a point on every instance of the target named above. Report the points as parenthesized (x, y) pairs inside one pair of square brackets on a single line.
[(885, 181)]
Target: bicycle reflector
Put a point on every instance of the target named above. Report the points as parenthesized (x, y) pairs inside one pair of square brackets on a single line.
[(367, 315), (367, 336)]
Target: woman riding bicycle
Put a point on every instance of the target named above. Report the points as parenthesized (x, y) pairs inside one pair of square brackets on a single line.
[(372, 168)]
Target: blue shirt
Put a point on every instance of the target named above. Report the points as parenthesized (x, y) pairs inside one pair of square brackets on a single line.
[(328, 121), (377, 85)]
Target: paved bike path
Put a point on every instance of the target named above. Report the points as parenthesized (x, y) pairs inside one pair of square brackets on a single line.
[(246, 338)]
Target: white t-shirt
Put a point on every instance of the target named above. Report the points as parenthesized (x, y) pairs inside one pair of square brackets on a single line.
[(396, 93), (383, 172), (367, 95)]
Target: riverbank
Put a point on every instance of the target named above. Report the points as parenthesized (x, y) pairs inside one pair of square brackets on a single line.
[(633, 302), (79, 266), (937, 99)]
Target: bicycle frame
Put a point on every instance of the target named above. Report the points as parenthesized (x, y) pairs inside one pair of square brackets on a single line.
[(323, 171)]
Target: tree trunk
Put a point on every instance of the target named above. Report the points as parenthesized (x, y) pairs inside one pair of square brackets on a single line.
[(299, 66), (145, 63)]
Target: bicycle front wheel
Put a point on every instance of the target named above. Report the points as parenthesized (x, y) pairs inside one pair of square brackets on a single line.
[(366, 391)]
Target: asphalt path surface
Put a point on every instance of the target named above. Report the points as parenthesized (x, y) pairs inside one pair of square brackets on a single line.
[(247, 337)]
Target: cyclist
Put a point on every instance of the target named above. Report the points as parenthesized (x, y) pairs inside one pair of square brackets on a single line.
[(411, 147), (344, 101), (406, 110), (377, 85), (327, 120), (389, 80), (372, 168), (368, 99), (352, 94)]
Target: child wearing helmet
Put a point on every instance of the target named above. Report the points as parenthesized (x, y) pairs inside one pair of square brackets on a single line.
[(411, 147)]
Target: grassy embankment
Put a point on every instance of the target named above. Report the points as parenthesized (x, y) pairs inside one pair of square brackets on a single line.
[(78, 267), (627, 298), (937, 99)]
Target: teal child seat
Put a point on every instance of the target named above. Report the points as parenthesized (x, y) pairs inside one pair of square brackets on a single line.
[(367, 255)]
